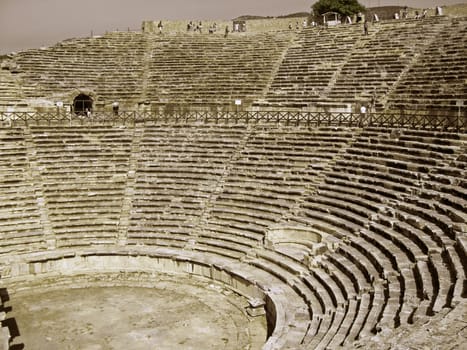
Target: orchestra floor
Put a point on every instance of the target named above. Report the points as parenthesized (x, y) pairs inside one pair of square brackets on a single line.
[(169, 314)]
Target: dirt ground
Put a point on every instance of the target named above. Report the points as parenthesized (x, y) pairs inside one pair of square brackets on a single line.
[(171, 314)]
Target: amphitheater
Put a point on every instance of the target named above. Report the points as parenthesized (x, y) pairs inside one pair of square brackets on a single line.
[(236, 200)]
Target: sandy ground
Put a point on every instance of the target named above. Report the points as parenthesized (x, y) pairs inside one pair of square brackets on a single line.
[(172, 314)]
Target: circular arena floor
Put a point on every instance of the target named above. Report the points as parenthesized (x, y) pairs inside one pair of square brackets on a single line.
[(174, 313)]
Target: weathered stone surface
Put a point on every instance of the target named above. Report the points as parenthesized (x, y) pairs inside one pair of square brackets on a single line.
[(163, 312), (446, 330)]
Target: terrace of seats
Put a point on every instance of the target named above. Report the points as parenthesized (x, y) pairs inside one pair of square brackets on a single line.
[(200, 70), (83, 176), (10, 89), (386, 208), (132, 68), (410, 64), (110, 66), (396, 243), (21, 229), (380, 58), (310, 64), (341, 65), (436, 81)]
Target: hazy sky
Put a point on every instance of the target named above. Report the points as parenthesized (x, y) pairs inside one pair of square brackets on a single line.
[(34, 23)]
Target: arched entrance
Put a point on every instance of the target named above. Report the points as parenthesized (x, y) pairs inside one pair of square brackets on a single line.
[(82, 103)]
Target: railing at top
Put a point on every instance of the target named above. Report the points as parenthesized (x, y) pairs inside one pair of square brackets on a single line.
[(300, 118)]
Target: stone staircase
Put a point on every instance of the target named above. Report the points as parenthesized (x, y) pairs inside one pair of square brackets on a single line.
[(128, 196)]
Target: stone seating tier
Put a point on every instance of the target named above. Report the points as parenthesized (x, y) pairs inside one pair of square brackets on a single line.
[(406, 64), (338, 64), (388, 205), (63, 63), (212, 68), (20, 214), (437, 78)]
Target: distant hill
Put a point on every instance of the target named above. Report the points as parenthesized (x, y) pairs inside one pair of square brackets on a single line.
[(252, 17), (296, 14)]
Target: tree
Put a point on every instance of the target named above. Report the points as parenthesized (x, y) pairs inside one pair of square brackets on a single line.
[(344, 7)]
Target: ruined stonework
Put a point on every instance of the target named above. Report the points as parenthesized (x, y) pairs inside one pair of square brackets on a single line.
[(319, 237), (401, 66)]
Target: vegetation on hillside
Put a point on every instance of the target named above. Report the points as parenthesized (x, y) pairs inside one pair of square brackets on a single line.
[(344, 7)]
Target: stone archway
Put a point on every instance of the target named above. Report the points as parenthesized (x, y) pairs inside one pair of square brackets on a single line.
[(82, 103)]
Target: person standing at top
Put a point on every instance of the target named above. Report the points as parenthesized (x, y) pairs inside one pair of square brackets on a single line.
[(115, 107), (363, 110), (160, 27)]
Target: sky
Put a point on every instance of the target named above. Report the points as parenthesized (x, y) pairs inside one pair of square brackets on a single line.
[(34, 23)]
